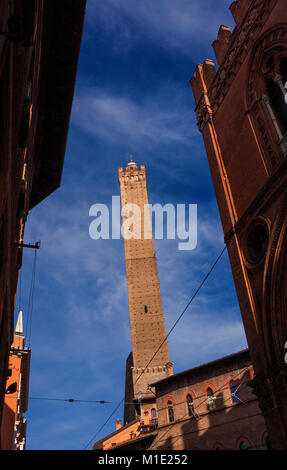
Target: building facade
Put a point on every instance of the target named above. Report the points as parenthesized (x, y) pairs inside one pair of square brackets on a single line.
[(208, 407), (242, 114), (39, 49)]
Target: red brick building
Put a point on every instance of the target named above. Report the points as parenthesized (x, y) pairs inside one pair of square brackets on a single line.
[(13, 429), (39, 48), (210, 407), (242, 113)]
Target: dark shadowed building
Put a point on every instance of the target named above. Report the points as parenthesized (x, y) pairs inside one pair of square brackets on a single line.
[(39, 49), (241, 110)]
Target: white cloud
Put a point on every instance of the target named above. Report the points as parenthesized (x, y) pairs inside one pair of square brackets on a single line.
[(204, 335), (162, 118), (92, 338), (167, 23)]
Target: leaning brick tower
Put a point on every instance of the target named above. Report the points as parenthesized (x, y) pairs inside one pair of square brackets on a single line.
[(145, 306)]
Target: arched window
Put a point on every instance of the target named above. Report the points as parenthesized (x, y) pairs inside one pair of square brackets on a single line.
[(243, 444), (170, 412), (218, 446), (210, 399), (277, 90), (274, 71), (190, 406), (234, 391), (267, 95), (153, 413)]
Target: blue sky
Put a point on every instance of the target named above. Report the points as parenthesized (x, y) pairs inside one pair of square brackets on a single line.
[(132, 96)]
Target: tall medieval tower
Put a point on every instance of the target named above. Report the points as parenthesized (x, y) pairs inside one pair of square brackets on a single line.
[(242, 114), (145, 307)]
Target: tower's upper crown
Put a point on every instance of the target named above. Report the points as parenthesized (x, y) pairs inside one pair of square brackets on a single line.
[(131, 171), (131, 164)]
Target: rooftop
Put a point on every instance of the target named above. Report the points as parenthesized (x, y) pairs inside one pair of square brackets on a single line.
[(243, 354)]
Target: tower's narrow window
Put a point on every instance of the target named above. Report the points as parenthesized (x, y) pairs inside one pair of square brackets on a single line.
[(170, 411), (210, 399), (145, 309), (190, 406), (234, 391)]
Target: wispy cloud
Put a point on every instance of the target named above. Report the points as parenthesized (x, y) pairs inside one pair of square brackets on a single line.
[(80, 329), (161, 118), (167, 23), (82, 309)]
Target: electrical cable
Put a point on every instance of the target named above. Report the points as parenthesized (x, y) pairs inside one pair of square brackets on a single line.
[(70, 400), (198, 405), (75, 400), (31, 301), (170, 331), (20, 291)]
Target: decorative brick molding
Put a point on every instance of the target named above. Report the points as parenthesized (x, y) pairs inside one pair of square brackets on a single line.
[(240, 45), (270, 386), (206, 386), (203, 112)]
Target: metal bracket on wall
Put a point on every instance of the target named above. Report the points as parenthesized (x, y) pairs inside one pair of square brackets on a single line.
[(27, 245)]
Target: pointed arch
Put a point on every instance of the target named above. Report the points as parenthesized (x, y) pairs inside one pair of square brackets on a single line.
[(265, 99), (243, 443)]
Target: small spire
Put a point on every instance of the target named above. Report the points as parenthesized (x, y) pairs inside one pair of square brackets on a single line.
[(19, 324)]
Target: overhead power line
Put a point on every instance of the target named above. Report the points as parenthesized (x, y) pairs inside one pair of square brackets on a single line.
[(170, 331), (198, 405), (71, 400)]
